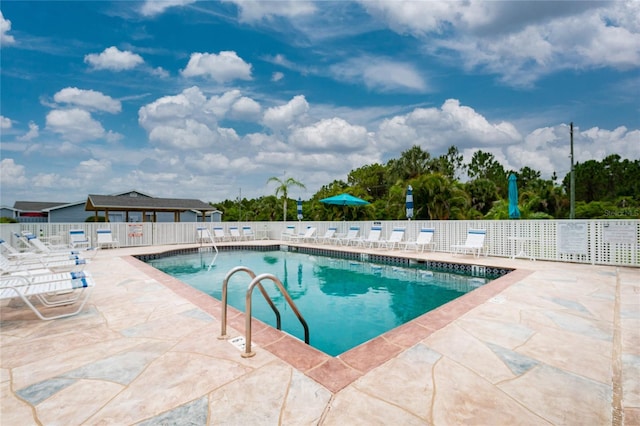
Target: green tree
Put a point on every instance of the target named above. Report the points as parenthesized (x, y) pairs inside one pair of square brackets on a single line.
[(370, 178), (528, 177), (483, 193), (449, 164), (283, 188), (411, 164), (483, 165), (435, 197)]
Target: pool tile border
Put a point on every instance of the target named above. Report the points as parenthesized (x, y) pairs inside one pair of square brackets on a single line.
[(334, 373)]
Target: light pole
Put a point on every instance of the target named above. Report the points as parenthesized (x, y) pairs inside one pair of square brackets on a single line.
[(572, 180)]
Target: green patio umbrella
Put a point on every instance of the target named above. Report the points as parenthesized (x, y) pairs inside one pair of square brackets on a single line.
[(514, 211), (345, 200)]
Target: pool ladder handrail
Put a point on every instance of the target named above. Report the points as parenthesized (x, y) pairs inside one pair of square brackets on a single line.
[(257, 282)]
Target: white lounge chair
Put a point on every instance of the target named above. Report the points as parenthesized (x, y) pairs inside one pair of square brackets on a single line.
[(218, 234), (8, 249), (32, 243), (326, 238), (203, 235), (373, 238), (424, 239), (78, 239), (474, 243), (351, 236), (247, 233), (51, 291), (12, 255), (396, 237), (235, 233), (30, 264), (307, 236), (37, 246), (105, 239), (288, 233)]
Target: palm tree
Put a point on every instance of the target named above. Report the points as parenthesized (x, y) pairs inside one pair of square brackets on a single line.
[(283, 188)]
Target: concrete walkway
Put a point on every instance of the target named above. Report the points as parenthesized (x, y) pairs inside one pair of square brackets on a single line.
[(551, 343)]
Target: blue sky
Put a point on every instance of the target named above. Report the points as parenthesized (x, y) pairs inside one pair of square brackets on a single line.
[(207, 100)]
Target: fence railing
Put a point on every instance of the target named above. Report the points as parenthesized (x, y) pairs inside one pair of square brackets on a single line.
[(603, 242)]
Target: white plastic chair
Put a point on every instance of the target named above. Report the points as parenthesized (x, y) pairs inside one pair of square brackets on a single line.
[(78, 239), (105, 239), (474, 243), (352, 236), (288, 233), (307, 236), (52, 290), (373, 238), (326, 238), (235, 233), (396, 237), (247, 233), (203, 235), (424, 239), (218, 234)]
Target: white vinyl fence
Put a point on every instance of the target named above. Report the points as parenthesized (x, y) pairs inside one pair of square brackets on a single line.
[(605, 242)]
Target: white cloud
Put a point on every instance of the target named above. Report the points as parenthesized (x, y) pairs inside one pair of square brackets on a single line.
[(55, 180), (92, 168), (173, 110), (333, 134), (88, 99), (75, 125), (191, 135), (156, 7), (160, 72), (246, 109), (220, 105), (547, 149), (521, 41), (188, 120), (435, 129), (277, 76), (381, 74), (114, 59), (256, 10), (293, 112), (416, 17), (5, 27), (12, 174), (5, 122), (33, 133), (223, 67)]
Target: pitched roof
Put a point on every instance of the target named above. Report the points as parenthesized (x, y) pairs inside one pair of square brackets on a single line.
[(76, 203), (35, 206), (126, 202)]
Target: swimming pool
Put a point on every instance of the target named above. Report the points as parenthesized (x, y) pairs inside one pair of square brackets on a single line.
[(344, 302)]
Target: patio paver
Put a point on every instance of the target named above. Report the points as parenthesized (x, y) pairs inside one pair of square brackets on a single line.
[(554, 343)]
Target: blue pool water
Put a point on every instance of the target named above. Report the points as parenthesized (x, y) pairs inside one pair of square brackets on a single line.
[(344, 302)]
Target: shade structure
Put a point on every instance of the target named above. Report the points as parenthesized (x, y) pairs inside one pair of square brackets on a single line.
[(409, 202), (344, 200), (514, 212), (299, 208)]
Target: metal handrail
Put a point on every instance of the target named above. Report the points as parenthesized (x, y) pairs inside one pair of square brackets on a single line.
[(225, 283), (256, 282), (214, 257)]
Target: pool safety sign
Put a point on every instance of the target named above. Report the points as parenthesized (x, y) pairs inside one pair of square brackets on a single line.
[(135, 230), (572, 238), (619, 233)]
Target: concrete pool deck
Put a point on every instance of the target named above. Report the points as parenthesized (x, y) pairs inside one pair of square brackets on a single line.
[(550, 343)]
